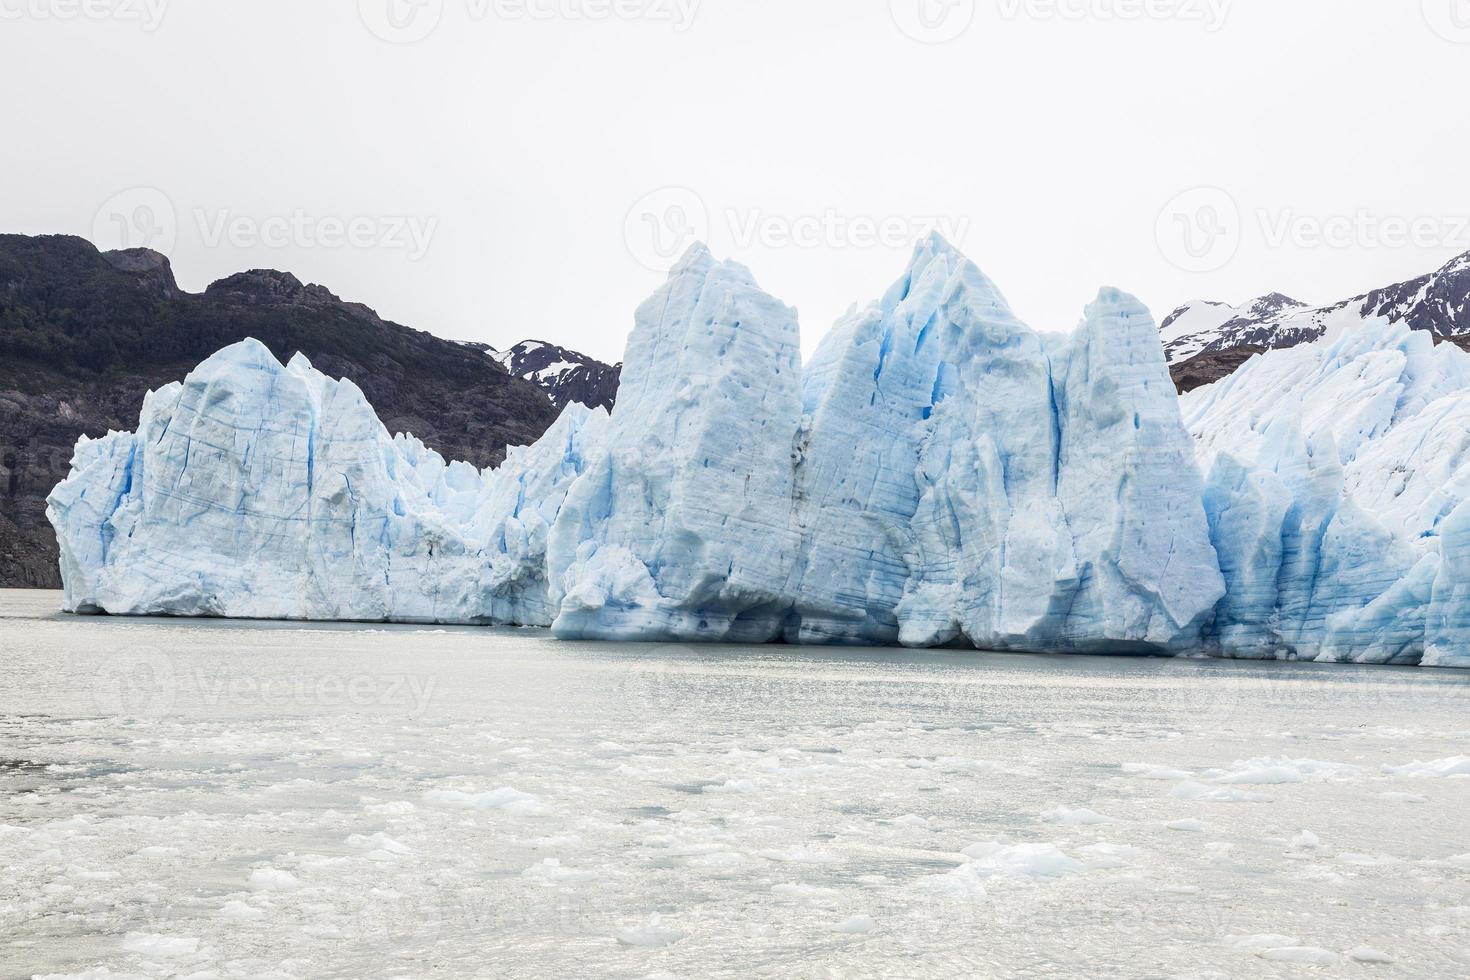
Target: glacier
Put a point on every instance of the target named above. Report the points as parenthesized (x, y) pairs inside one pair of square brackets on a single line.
[(258, 490), (1337, 472), (938, 474)]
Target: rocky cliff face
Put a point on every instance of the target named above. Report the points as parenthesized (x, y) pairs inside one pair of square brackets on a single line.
[(84, 335)]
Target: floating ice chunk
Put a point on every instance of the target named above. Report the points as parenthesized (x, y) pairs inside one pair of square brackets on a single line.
[(396, 808), (798, 855), (1081, 817), (555, 842), (1161, 773), (1306, 841), (857, 925), (1369, 860), (654, 935), (718, 862), (1438, 769), (1188, 826), (1261, 942), (240, 911), (1101, 857), (509, 800), (1367, 954), (273, 880), (803, 893), (1022, 860), (153, 944), (1216, 794), (1301, 955), (83, 874), (1403, 798), (551, 872), (1276, 771), (963, 884), (911, 821), (379, 842)]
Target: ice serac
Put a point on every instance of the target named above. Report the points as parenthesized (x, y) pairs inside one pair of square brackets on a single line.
[(962, 477), (867, 393), (1147, 573), (257, 490), (511, 518), (681, 526), (990, 539)]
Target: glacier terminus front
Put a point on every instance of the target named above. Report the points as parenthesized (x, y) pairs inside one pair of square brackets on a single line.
[(939, 474)]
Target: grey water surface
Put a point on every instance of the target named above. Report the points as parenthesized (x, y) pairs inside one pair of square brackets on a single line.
[(221, 799)]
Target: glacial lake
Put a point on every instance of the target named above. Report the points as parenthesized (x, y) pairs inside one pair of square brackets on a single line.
[(222, 799)]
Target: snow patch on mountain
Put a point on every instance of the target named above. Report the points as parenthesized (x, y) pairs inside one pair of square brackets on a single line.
[(567, 376), (1438, 303)]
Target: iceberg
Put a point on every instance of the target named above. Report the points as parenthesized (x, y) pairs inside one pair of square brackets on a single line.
[(938, 474)]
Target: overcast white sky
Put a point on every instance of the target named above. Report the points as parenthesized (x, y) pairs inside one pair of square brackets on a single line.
[(516, 171)]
